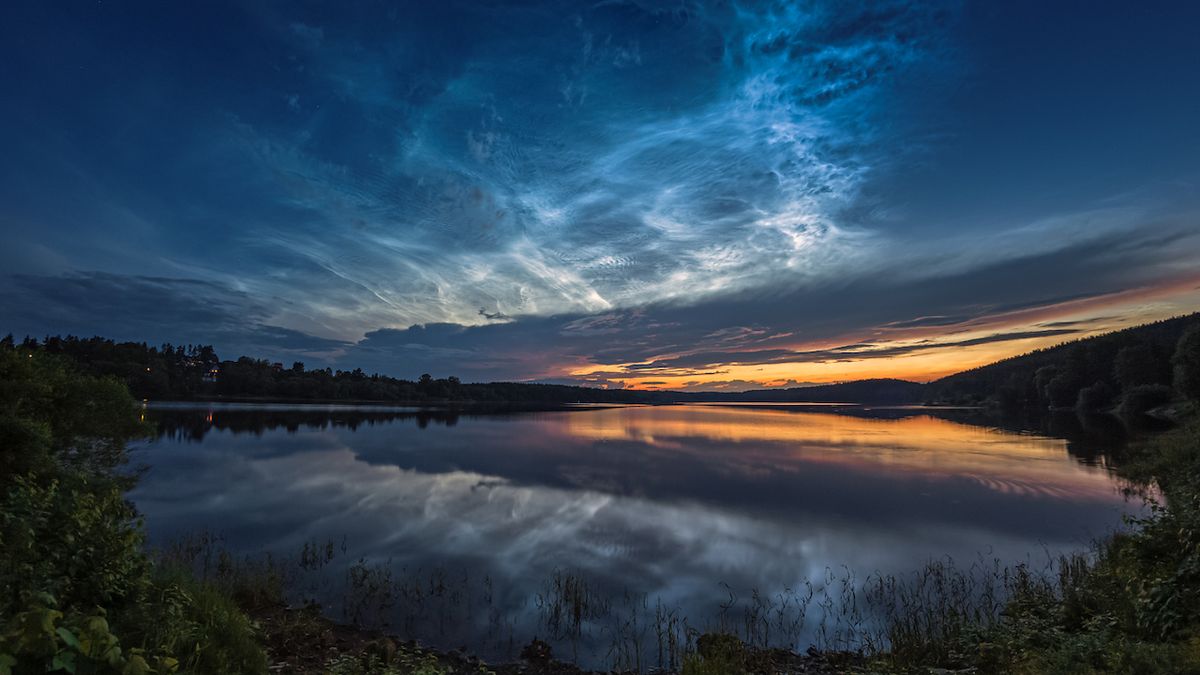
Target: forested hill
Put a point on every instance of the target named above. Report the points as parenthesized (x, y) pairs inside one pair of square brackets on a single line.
[(877, 391), (195, 372), (1132, 367)]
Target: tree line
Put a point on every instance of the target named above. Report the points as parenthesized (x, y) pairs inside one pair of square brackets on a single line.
[(1132, 370), (183, 372)]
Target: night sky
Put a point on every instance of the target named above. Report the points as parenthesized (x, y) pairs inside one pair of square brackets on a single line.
[(657, 194)]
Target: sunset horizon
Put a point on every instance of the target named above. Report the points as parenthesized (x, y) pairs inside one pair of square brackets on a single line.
[(599, 337), (698, 197)]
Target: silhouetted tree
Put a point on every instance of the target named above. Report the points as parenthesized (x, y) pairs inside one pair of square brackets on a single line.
[(1141, 399), (1063, 389), (1041, 380), (1082, 363), (1096, 397), (1187, 363), (1134, 366)]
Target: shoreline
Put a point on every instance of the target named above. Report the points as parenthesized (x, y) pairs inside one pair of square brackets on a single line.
[(302, 641)]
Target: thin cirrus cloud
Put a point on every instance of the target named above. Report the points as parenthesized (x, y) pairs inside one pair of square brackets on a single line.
[(611, 193), (576, 200)]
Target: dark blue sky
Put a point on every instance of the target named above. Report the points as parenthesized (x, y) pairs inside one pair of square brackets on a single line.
[(707, 193)]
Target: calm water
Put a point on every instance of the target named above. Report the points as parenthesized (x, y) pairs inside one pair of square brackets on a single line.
[(674, 510)]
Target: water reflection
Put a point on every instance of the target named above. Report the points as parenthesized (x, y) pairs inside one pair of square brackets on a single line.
[(672, 503)]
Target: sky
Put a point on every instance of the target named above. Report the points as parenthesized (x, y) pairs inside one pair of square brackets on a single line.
[(703, 196)]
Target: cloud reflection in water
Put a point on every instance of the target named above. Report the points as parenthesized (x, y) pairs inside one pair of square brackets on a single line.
[(667, 501)]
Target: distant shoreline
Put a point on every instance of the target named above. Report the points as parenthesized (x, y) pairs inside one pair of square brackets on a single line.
[(534, 405)]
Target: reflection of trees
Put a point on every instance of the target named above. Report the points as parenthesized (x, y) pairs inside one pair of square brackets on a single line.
[(1091, 438), (192, 424)]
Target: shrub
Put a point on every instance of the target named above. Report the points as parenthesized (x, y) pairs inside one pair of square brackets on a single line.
[(71, 538), (77, 591), (52, 414), (41, 638), (180, 625)]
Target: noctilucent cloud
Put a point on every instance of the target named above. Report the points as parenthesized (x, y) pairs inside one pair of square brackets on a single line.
[(714, 195)]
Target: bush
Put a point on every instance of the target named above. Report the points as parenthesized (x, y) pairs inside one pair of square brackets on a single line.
[(71, 539), (41, 638), (77, 591), (52, 415)]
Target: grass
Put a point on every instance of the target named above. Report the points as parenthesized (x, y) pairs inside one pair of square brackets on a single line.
[(1129, 605), (1132, 606), (80, 593), (202, 624)]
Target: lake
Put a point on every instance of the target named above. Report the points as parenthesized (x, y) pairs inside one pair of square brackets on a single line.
[(602, 529)]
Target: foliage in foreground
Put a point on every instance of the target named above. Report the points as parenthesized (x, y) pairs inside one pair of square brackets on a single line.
[(77, 592), (1132, 607)]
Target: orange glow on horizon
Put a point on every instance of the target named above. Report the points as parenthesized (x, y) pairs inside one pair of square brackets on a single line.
[(934, 352)]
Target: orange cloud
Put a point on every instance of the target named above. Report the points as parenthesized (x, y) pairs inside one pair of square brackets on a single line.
[(926, 352)]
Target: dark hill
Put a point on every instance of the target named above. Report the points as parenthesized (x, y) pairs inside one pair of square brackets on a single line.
[(1109, 366), (1090, 374), (877, 391)]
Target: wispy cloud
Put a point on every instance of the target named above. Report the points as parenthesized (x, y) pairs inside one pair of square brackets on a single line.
[(142, 308), (701, 192), (718, 168)]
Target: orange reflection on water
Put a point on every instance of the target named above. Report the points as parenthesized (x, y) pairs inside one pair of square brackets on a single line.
[(752, 440)]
